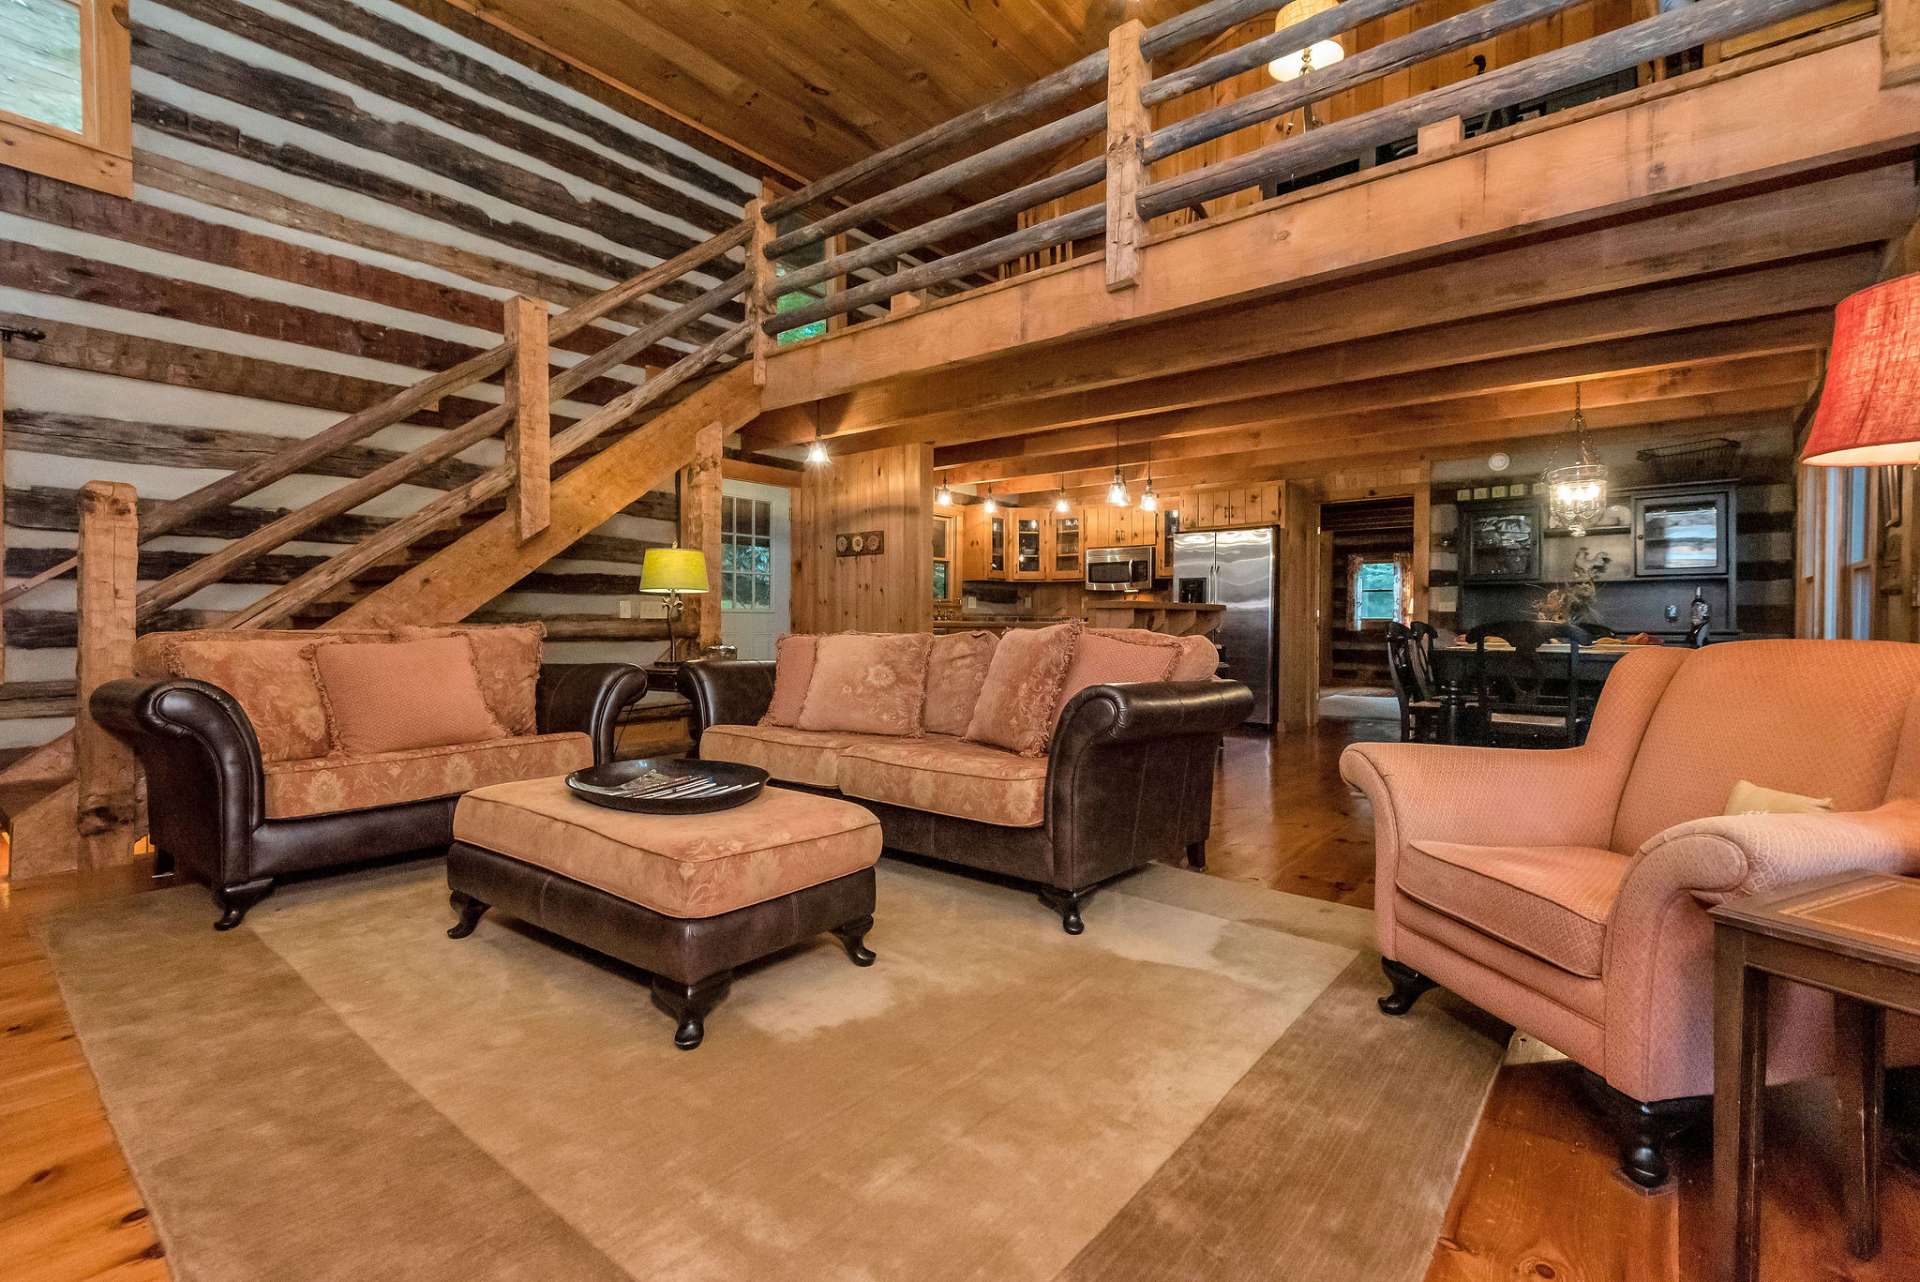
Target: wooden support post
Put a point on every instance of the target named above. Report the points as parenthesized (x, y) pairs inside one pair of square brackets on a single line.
[(836, 285), (700, 526), (1441, 133), (106, 807), (1128, 123), (529, 451), (763, 297), (1899, 42), (905, 304)]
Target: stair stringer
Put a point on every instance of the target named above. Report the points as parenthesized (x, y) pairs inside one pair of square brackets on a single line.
[(467, 574)]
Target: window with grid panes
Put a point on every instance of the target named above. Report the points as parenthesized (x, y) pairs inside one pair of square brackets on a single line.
[(746, 554)]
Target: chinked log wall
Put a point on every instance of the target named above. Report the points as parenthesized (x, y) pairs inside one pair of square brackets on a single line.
[(279, 268)]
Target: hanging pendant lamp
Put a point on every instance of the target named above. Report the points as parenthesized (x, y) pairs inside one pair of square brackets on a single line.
[(1577, 491)]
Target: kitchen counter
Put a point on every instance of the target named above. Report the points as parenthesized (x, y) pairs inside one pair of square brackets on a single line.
[(1175, 618)]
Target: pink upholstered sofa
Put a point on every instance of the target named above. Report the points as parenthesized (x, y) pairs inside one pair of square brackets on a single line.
[(1566, 891), (248, 780)]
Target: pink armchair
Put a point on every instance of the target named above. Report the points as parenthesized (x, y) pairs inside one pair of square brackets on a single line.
[(1566, 891)]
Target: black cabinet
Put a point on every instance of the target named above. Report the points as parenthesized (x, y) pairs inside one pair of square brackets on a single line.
[(1500, 541), (1683, 534)]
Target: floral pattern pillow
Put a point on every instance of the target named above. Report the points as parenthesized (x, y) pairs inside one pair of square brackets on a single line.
[(956, 672), (1016, 706), (868, 683), (792, 673)]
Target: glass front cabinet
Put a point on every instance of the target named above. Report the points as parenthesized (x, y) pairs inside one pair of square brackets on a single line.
[(1682, 534), (1066, 562), (1500, 541)]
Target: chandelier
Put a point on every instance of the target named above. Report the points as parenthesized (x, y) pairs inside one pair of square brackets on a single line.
[(1577, 491)]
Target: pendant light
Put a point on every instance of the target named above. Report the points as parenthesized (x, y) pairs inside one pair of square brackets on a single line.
[(1577, 491), (1061, 505), (1149, 501), (817, 452), (1317, 56), (943, 497), (990, 505), (1117, 494)]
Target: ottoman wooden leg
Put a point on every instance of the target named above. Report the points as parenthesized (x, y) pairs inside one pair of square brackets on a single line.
[(689, 1004), (471, 911), (853, 937)]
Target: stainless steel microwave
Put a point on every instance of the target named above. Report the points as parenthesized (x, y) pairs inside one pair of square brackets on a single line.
[(1120, 569)]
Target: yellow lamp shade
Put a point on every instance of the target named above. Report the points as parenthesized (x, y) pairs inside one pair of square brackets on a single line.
[(674, 570)]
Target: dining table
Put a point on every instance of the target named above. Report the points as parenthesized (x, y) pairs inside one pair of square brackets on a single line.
[(1453, 670)]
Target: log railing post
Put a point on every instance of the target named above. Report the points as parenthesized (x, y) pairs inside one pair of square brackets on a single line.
[(700, 482), (1129, 121), (836, 285), (1899, 42), (104, 768), (763, 298), (529, 451)]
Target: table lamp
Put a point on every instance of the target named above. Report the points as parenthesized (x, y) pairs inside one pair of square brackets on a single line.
[(669, 572), (1869, 413)]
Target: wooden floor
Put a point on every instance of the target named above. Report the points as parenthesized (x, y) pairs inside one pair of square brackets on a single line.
[(1538, 1200)]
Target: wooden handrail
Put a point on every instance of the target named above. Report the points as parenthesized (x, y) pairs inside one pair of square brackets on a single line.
[(1453, 33), (284, 601), (355, 427), (1650, 38), (216, 565)]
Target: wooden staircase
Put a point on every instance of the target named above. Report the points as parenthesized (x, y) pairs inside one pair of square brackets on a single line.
[(74, 802)]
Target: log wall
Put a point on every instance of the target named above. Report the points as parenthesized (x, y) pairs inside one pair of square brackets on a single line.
[(332, 200)]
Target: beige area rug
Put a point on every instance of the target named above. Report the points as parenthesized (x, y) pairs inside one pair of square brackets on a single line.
[(1198, 1087)]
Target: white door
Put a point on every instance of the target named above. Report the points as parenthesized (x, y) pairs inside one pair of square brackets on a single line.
[(754, 574)]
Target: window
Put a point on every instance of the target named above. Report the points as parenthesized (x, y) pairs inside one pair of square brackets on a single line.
[(746, 553), (1376, 592), (64, 98), (1838, 519)]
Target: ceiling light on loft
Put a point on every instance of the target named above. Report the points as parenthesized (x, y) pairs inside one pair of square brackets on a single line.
[(1317, 56), (817, 453), (1577, 491)]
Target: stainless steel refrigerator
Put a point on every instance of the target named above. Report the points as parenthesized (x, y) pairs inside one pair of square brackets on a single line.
[(1240, 570)]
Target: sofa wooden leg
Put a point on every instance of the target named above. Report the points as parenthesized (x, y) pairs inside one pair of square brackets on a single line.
[(1068, 904), (471, 910), (1646, 1128), (1408, 985), (1197, 854), (234, 901), (853, 937), (689, 1004)]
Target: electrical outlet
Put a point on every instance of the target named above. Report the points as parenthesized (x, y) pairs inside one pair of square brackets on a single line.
[(626, 607)]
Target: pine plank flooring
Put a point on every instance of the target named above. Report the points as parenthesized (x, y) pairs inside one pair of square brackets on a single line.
[(1537, 1200)]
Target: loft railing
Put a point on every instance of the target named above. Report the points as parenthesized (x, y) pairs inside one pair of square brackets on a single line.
[(1132, 198)]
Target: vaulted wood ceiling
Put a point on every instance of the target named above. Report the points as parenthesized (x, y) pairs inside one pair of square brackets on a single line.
[(813, 85)]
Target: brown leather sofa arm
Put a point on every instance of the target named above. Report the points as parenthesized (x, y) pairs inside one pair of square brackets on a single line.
[(1130, 776), (206, 793), (726, 692), (587, 698)]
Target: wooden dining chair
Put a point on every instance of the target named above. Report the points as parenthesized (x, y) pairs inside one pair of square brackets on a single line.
[(1536, 700), (1410, 666)]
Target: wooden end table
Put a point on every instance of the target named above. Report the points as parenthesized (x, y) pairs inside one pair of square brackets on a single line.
[(1857, 936)]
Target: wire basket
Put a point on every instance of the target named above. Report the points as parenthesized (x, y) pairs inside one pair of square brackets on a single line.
[(1711, 458)]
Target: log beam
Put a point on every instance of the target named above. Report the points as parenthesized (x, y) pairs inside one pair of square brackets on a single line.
[(529, 437), (105, 803)]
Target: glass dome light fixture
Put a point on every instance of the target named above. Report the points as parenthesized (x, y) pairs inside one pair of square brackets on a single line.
[(817, 453), (1577, 491), (1117, 495), (1061, 505), (1149, 501), (1317, 56), (943, 497), (992, 505)]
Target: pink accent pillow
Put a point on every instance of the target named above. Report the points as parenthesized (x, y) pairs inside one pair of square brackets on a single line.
[(957, 668), (389, 696), (1016, 705), (1199, 660), (507, 656), (792, 673), (868, 683), (1104, 658)]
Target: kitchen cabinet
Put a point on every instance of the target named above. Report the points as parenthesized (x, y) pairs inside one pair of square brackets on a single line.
[(983, 549), (947, 544), (1682, 534), (1064, 547), (1500, 541), (1029, 546)]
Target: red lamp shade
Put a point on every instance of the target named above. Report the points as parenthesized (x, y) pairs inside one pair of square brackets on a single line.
[(1870, 407)]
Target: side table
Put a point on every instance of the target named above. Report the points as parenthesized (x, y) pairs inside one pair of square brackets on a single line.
[(1857, 935)]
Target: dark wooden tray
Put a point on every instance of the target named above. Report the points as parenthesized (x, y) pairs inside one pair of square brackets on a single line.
[(732, 785)]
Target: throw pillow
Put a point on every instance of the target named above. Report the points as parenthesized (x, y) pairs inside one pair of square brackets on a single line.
[(957, 668), (389, 696), (1199, 660), (1016, 706), (1752, 799), (507, 656), (792, 673), (1109, 658), (868, 683), (273, 681)]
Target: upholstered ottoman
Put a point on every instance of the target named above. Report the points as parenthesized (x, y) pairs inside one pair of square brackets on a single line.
[(687, 898)]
